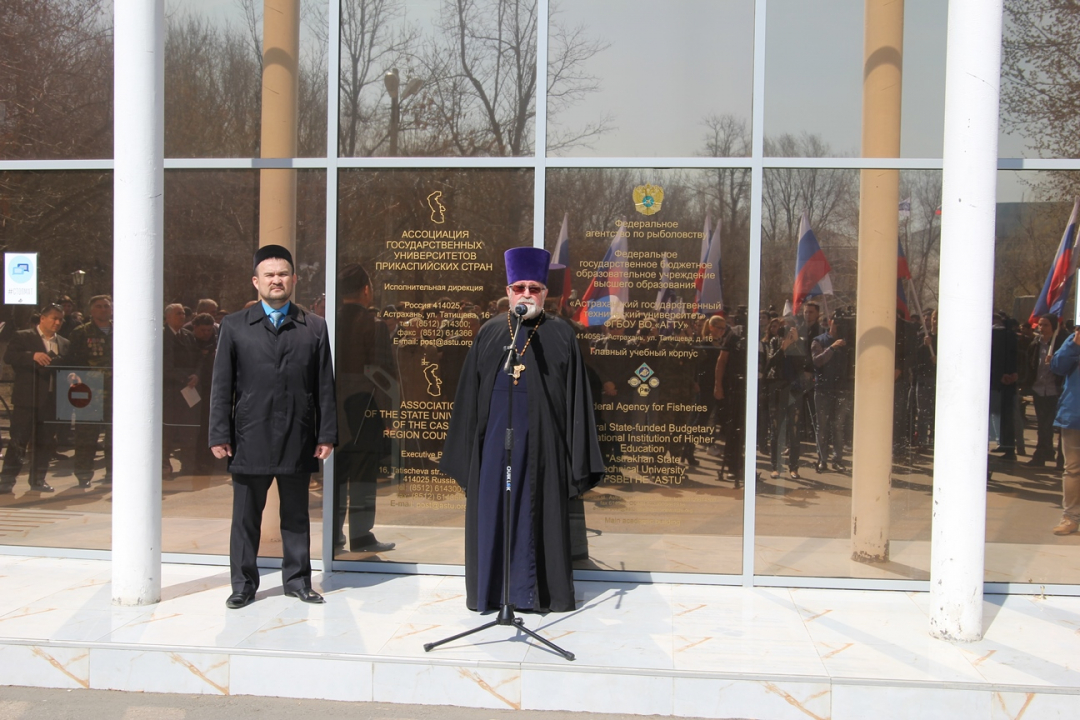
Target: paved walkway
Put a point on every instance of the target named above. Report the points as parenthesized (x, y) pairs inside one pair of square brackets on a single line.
[(684, 650)]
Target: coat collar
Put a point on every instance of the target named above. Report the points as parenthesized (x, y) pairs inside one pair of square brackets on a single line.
[(256, 314)]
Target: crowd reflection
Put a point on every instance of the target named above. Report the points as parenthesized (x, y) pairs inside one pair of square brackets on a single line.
[(59, 398)]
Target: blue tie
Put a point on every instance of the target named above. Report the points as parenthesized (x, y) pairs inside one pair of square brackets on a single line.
[(276, 317)]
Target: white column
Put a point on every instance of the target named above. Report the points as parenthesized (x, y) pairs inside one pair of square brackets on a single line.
[(138, 186), (969, 187)]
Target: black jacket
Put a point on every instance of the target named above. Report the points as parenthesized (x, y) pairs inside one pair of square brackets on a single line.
[(20, 356), (272, 394)]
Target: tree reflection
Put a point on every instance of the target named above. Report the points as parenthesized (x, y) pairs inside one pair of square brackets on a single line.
[(55, 79)]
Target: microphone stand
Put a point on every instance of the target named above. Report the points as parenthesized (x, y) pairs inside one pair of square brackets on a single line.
[(506, 610)]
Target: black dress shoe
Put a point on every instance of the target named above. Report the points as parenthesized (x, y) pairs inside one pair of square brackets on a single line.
[(375, 547), (240, 599), (43, 487), (306, 594)]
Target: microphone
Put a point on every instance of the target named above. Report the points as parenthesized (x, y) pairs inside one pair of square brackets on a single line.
[(511, 349)]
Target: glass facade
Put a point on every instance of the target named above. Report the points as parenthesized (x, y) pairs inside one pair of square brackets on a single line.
[(728, 428), (211, 231)]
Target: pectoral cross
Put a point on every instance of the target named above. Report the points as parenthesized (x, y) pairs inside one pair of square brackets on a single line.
[(518, 369)]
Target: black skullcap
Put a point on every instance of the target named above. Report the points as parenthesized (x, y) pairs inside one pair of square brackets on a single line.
[(270, 251), (352, 278)]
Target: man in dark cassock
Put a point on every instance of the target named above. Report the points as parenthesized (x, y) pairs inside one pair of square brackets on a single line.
[(556, 456)]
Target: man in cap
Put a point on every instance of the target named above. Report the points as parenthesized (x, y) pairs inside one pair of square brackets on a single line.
[(555, 452), (273, 414)]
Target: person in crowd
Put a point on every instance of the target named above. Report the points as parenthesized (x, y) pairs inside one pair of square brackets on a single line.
[(772, 328), (204, 306), (1066, 363), (365, 371), (925, 374), (729, 387), (273, 414), (783, 377), (716, 334), (905, 347), (809, 327), (91, 347), (831, 394), (31, 353), (555, 449), (1044, 386), (180, 418), (205, 330), (72, 318), (1003, 377)]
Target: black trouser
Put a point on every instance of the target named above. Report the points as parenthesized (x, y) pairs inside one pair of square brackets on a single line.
[(783, 406), (734, 425), (249, 499), (832, 411), (27, 428), (356, 476), (1045, 412), (86, 438)]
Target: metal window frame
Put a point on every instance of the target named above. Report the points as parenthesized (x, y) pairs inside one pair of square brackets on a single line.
[(539, 163)]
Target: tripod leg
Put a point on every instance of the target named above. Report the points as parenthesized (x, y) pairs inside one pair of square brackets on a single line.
[(521, 626), (428, 647)]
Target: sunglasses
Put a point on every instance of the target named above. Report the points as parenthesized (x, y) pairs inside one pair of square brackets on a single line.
[(520, 288)]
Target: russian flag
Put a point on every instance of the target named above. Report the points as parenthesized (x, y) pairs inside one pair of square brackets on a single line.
[(903, 272), (665, 296), (668, 305), (1055, 292), (711, 296), (561, 256), (700, 276), (609, 290), (811, 267)]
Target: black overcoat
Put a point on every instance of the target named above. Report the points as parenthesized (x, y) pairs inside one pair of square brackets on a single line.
[(563, 454), (272, 396), (20, 356)]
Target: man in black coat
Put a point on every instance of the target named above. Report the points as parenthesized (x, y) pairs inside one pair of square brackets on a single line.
[(364, 352), (91, 347), (555, 457), (273, 414), (33, 394), (180, 372)]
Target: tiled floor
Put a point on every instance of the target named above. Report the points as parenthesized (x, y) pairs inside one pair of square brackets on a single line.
[(687, 650)]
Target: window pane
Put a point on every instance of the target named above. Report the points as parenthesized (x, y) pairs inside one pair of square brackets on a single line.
[(211, 232), (56, 80), (50, 443), (814, 78), (805, 405), (431, 244), (1025, 494), (610, 96), (462, 78), (214, 81), (672, 497), (1039, 74)]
